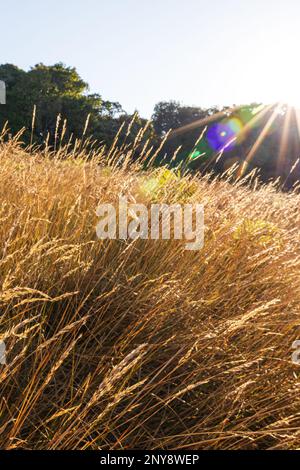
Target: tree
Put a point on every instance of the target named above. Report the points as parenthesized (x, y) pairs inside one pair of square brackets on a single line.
[(170, 115), (250, 136), (53, 90)]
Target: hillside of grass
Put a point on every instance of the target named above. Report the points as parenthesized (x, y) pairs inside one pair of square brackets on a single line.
[(141, 344)]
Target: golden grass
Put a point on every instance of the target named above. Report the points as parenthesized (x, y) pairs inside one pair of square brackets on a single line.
[(121, 345)]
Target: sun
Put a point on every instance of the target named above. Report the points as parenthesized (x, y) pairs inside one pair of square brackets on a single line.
[(289, 95), (283, 89), (281, 80)]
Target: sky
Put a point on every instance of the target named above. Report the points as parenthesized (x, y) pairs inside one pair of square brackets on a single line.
[(140, 52)]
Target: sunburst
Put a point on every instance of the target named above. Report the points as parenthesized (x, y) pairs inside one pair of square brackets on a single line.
[(265, 116)]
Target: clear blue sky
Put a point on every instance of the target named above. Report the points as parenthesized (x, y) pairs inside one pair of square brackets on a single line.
[(139, 52)]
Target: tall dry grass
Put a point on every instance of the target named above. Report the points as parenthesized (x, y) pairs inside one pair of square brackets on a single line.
[(117, 345)]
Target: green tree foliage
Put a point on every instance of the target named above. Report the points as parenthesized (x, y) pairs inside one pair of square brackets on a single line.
[(252, 136), (53, 90), (170, 115)]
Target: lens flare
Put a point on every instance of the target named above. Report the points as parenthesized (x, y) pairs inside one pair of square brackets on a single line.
[(223, 135), (227, 132)]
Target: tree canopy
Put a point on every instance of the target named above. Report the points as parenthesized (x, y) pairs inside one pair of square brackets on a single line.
[(52, 91)]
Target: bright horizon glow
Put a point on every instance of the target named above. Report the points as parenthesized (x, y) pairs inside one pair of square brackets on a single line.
[(195, 52)]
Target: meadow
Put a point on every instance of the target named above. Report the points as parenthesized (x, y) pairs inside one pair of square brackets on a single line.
[(142, 344)]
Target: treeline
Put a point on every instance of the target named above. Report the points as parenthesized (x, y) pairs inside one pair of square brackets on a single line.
[(214, 139), (52, 91)]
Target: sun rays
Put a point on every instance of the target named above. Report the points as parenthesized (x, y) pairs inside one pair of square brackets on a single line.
[(226, 130)]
